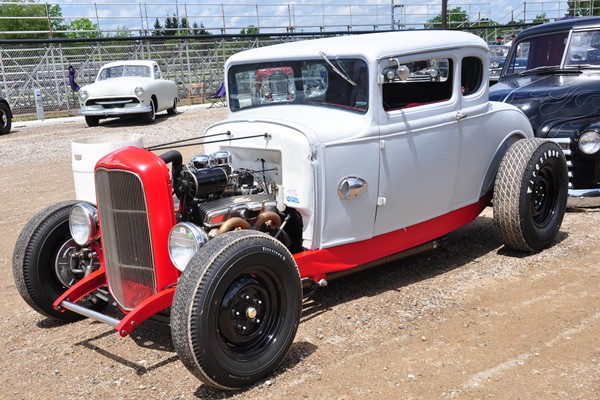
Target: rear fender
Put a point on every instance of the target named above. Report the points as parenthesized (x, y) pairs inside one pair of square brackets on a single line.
[(492, 170)]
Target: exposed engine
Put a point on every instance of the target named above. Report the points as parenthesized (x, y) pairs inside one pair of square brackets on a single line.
[(218, 198)]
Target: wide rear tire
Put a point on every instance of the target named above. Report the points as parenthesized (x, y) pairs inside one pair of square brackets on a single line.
[(42, 265), (530, 194), (236, 309)]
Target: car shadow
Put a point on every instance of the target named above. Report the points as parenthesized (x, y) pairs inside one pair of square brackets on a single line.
[(148, 335), (478, 237), (298, 352), (134, 121)]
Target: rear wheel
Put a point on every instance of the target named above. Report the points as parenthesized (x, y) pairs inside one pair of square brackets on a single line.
[(173, 110), (236, 309), (92, 121), (43, 266), (530, 194)]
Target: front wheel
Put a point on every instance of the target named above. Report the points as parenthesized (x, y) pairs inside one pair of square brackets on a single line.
[(236, 309), (43, 266), (5, 119), (150, 116), (92, 121), (530, 194)]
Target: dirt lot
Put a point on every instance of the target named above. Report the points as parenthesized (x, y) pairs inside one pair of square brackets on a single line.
[(469, 320)]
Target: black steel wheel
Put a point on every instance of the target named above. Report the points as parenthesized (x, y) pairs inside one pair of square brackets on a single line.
[(5, 119), (92, 121), (530, 194), (173, 110), (236, 309), (43, 266)]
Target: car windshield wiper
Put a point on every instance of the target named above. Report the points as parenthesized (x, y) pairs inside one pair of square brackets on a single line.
[(545, 69), (336, 70)]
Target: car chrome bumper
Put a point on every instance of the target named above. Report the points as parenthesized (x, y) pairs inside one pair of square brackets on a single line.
[(111, 112), (584, 197)]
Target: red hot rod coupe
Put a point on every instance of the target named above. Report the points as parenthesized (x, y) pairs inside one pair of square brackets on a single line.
[(337, 153)]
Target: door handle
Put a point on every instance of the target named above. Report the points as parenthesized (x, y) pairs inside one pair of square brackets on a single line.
[(460, 115), (351, 187)]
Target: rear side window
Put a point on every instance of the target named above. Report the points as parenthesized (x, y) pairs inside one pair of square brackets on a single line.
[(416, 83), (471, 75)]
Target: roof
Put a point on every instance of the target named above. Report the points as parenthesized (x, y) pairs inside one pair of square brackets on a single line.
[(369, 45), (563, 25)]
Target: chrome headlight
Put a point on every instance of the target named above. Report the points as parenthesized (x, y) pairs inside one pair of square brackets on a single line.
[(83, 223), (494, 64), (589, 142), (185, 239), (83, 94), (139, 91)]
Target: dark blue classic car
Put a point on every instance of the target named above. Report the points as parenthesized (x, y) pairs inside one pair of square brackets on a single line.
[(552, 73), (5, 116)]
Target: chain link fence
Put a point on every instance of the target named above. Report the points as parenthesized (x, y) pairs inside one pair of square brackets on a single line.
[(195, 63)]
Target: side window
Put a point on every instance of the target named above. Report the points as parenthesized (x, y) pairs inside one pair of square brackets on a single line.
[(156, 72), (471, 75), (416, 83)]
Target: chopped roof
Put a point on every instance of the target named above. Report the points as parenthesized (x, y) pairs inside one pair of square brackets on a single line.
[(369, 45)]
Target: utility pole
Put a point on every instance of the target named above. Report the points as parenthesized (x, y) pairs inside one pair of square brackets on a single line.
[(401, 21), (444, 14)]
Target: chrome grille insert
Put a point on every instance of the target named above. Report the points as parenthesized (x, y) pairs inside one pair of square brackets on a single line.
[(565, 145), (125, 236)]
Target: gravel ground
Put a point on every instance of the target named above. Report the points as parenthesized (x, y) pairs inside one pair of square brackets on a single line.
[(468, 320)]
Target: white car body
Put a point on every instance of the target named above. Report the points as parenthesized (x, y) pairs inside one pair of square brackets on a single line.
[(136, 88), (416, 163)]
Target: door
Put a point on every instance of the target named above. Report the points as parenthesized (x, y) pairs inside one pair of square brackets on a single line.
[(419, 141)]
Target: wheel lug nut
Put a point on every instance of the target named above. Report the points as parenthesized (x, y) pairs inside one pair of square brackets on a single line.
[(251, 312)]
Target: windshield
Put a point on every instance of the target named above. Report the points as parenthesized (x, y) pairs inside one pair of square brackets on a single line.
[(583, 49), (124, 70), (498, 52), (312, 82)]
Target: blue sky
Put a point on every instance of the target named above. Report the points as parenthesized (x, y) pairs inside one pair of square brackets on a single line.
[(308, 13)]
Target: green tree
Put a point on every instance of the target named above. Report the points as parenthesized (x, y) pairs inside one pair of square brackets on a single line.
[(184, 25), (250, 30), (122, 31), (158, 29), (24, 15), (486, 29), (171, 26), (457, 18), (583, 8), (541, 19), (199, 29), (82, 28)]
